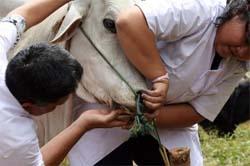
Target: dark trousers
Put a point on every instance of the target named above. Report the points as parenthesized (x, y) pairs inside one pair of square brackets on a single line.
[(144, 150), (235, 111)]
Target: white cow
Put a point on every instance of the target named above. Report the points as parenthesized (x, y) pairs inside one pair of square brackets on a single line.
[(100, 80), (100, 83)]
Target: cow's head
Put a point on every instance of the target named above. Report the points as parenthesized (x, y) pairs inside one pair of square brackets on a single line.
[(100, 83)]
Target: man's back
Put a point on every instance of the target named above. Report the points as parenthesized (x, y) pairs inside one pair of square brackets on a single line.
[(18, 142)]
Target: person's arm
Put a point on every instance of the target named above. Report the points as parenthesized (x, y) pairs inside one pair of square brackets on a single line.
[(207, 106), (139, 45), (55, 151), (36, 11), (177, 116)]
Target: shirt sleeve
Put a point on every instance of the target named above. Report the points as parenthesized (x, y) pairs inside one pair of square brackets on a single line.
[(31, 155), (11, 28), (8, 34), (209, 106), (172, 20)]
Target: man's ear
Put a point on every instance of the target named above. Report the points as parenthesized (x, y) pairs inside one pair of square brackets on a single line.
[(28, 106)]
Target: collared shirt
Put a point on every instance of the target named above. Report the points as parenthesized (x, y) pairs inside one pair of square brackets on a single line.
[(185, 34), (18, 139)]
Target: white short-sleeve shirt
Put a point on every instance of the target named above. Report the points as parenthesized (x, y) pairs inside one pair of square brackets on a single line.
[(18, 139), (185, 34)]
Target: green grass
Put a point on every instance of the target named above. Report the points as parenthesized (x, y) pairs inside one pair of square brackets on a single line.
[(65, 163), (224, 151), (227, 151)]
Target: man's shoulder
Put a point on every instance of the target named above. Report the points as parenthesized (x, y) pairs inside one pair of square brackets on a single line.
[(16, 129), (204, 3), (18, 137), (206, 8), (19, 149)]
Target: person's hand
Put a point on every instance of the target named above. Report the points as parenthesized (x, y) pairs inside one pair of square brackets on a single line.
[(155, 98), (152, 115), (102, 118)]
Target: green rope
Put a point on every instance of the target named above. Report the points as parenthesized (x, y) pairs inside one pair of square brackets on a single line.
[(106, 60), (141, 125)]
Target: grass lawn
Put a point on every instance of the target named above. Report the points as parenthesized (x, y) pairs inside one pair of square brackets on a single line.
[(227, 151)]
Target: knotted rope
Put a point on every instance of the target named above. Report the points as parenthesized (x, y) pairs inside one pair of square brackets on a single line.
[(141, 125)]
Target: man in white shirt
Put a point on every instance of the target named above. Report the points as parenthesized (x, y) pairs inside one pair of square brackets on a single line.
[(177, 37), (34, 82)]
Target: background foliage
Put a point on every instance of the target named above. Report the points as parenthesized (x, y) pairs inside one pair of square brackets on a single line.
[(224, 151), (229, 150)]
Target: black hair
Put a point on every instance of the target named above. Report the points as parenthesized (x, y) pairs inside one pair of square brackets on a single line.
[(233, 8), (42, 74)]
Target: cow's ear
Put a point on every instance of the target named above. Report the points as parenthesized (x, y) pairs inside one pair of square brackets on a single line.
[(70, 22)]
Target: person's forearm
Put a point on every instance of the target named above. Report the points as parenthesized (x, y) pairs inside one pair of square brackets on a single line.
[(56, 150), (138, 43), (36, 11), (177, 116)]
